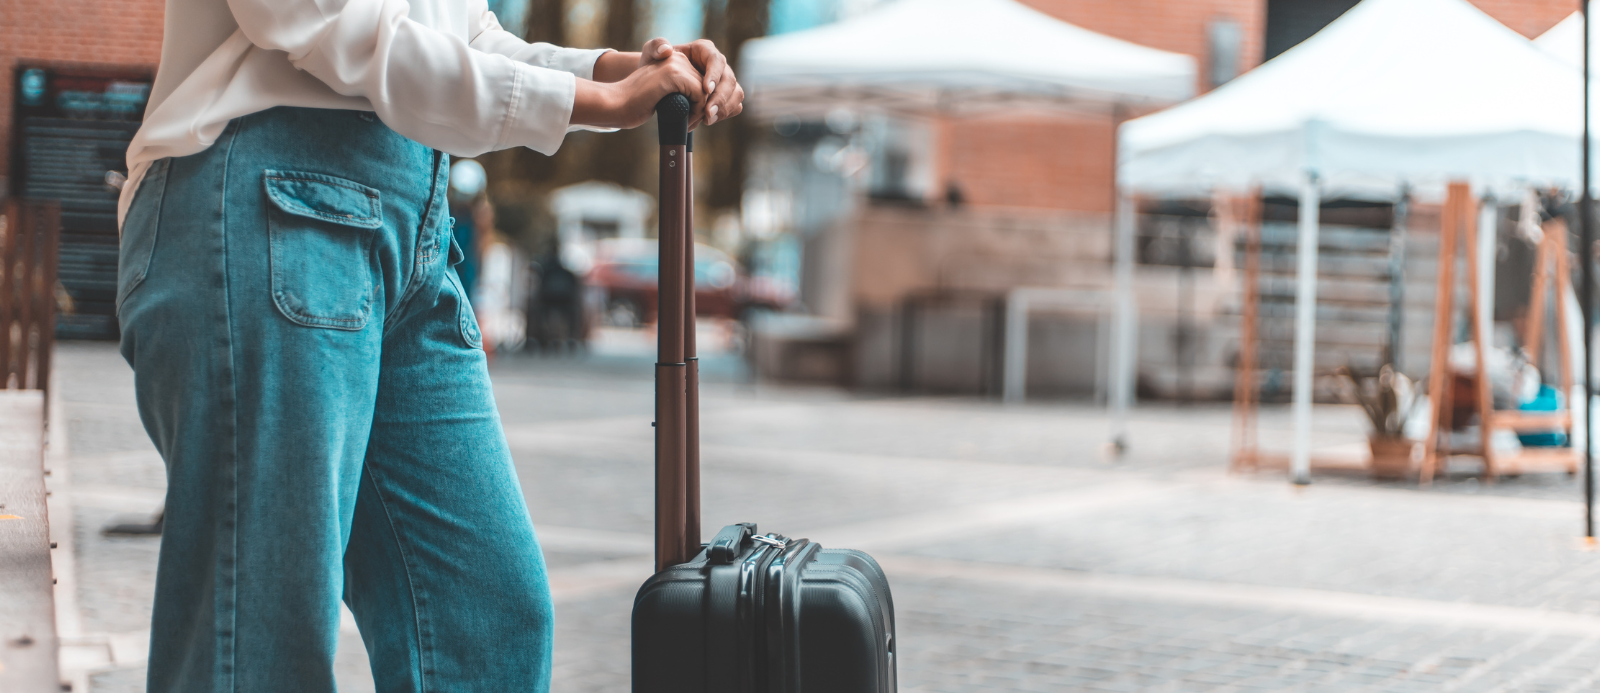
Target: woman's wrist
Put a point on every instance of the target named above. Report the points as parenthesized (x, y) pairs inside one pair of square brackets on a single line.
[(596, 104), (615, 66)]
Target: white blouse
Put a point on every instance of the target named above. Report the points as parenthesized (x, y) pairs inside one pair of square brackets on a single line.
[(441, 72)]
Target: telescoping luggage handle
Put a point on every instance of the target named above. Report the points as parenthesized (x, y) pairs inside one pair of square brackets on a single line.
[(677, 367)]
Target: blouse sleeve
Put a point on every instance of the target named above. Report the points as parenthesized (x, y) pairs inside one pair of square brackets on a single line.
[(425, 84), (488, 36)]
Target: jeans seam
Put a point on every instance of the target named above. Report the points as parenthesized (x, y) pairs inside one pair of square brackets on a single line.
[(233, 399), (424, 648)]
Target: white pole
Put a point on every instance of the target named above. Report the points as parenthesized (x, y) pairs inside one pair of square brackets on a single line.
[(1488, 244), (1124, 346), (1305, 328), (1015, 368)]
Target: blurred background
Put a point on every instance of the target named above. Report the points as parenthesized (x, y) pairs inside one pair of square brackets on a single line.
[(862, 225), (1040, 301)]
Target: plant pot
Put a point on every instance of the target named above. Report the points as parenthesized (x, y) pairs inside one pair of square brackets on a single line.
[(1391, 457)]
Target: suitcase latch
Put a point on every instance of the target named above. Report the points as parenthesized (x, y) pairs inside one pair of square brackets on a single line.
[(772, 540)]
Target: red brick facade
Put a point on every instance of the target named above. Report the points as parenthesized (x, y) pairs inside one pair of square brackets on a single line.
[(122, 37)]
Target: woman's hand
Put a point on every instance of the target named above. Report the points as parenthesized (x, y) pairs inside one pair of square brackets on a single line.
[(632, 101), (716, 78), (725, 98), (615, 66)]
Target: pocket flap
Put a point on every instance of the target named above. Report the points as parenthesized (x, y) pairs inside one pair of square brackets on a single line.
[(327, 198)]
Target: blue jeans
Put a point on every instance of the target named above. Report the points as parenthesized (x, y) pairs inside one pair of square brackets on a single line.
[(309, 368)]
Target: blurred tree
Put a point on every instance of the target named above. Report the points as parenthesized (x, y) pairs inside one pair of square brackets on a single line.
[(521, 178), (622, 24), (547, 22), (621, 157), (722, 148)]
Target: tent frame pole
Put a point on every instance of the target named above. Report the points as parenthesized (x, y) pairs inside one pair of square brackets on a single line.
[(1124, 350), (1125, 318), (1586, 297), (1305, 327)]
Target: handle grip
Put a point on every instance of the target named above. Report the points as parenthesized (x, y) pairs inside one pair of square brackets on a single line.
[(725, 547), (672, 119)]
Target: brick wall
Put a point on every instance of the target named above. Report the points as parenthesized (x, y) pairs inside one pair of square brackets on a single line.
[(1170, 25), (1528, 17), (1046, 164), (122, 37), (1067, 164)]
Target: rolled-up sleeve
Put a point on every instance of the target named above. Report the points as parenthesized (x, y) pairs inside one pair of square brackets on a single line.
[(425, 84), (489, 37)]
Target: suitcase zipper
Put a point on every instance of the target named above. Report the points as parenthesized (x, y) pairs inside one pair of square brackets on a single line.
[(752, 612)]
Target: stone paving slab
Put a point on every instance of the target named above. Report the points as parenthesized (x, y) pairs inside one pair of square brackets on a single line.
[(958, 637), (1485, 550)]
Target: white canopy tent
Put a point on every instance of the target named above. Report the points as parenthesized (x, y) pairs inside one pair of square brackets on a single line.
[(957, 57), (1565, 41), (969, 58), (1395, 92)]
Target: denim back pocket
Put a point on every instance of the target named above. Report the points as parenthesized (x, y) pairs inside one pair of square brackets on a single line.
[(322, 230), (140, 229)]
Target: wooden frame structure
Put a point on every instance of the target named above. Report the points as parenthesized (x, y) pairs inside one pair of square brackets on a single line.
[(29, 236), (1459, 221)]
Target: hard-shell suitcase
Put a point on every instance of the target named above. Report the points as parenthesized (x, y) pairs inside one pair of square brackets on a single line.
[(748, 612)]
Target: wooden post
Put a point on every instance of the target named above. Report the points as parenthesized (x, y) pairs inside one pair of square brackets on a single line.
[(10, 226), (1439, 373), (1533, 327), (1557, 234), (22, 301), (1246, 398), (47, 219)]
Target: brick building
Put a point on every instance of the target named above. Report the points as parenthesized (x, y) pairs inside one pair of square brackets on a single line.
[(75, 75)]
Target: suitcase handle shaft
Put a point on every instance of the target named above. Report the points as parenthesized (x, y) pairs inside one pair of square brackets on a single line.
[(677, 372)]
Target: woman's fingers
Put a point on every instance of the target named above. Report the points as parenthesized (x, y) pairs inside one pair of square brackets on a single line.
[(714, 67), (685, 80), (736, 102), (727, 100), (655, 50)]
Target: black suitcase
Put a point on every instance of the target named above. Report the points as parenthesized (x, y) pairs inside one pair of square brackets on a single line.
[(746, 613)]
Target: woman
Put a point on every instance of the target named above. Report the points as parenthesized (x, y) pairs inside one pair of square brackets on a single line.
[(305, 361)]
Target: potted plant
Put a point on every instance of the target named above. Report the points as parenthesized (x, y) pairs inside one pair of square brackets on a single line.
[(1388, 399)]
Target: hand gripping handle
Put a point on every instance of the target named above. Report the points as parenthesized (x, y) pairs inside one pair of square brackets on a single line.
[(672, 119)]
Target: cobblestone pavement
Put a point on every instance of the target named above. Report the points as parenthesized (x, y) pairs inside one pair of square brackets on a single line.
[(1022, 559)]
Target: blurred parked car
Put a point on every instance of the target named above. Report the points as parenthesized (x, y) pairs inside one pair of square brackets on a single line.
[(622, 284)]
